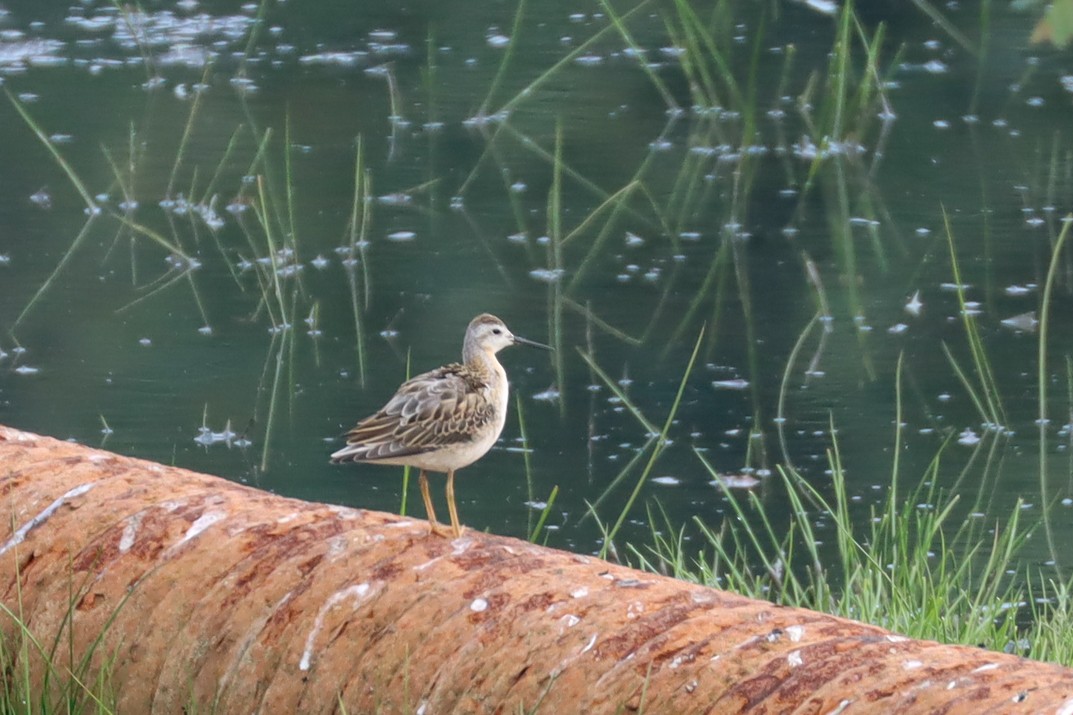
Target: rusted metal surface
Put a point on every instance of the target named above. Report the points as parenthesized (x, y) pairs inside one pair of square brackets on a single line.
[(208, 592)]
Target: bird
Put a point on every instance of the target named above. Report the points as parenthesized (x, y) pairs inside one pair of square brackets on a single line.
[(444, 419)]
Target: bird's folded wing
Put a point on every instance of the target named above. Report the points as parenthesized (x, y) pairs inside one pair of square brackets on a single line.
[(433, 410)]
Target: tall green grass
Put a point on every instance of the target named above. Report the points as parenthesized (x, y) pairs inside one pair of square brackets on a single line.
[(910, 566)]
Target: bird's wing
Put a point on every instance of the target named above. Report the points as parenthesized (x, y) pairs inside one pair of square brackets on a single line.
[(438, 408)]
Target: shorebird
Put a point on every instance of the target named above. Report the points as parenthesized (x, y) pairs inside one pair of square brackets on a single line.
[(444, 419)]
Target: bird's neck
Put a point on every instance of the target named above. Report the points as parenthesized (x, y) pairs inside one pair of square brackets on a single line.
[(482, 360)]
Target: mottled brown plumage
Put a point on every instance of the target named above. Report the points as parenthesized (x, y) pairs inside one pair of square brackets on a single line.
[(444, 419)]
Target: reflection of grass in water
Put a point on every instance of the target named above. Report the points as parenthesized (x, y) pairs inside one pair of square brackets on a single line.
[(657, 439), (272, 252), (68, 171), (1042, 378), (555, 265), (847, 102), (358, 239), (984, 393), (533, 531)]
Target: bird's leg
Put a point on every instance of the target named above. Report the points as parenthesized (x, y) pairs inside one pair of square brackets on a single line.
[(455, 525), (429, 510)]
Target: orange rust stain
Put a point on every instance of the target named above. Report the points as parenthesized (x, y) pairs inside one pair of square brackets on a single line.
[(642, 629), (386, 570), (89, 601), (538, 601)]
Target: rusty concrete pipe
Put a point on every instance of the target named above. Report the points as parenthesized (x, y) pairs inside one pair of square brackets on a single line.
[(219, 595)]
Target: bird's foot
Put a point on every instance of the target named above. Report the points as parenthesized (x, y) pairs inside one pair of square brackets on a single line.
[(443, 530)]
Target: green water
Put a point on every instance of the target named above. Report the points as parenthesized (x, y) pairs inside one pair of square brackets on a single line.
[(264, 310)]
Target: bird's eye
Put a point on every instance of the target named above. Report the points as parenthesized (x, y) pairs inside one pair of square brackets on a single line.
[(497, 331)]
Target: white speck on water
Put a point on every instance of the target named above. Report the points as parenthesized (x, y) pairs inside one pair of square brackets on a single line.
[(667, 481), (145, 342), (735, 481), (205, 330), (915, 305), (944, 397), (968, 437), (478, 605), (398, 199), (827, 7), (547, 275), (18, 537), (738, 384), (1025, 322), (897, 328), (402, 236), (41, 198), (1016, 290), (549, 395), (338, 59), (26, 370)]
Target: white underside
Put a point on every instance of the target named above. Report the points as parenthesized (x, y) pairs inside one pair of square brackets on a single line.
[(449, 458)]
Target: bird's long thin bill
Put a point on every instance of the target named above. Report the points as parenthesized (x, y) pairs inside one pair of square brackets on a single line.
[(532, 343)]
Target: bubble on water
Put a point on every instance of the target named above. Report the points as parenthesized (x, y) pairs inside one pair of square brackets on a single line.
[(337, 59), (549, 395), (397, 199), (735, 384), (968, 437), (496, 39), (914, 306), (547, 275), (1024, 322)]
